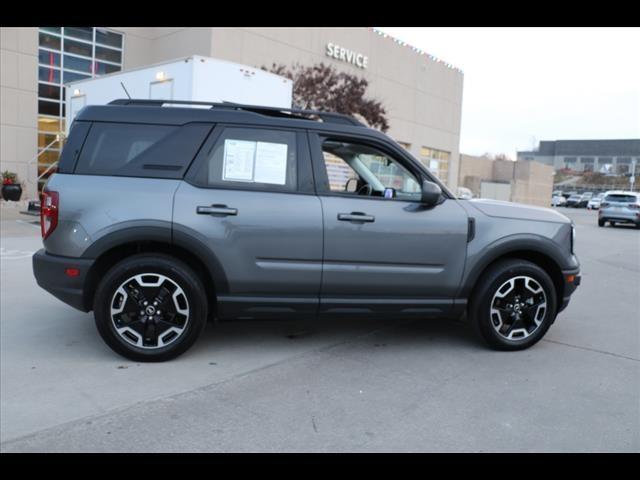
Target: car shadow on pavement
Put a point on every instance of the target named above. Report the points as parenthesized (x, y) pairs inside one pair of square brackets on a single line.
[(326, 333), (75, 337)]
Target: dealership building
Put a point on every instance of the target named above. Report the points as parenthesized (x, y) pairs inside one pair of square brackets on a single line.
[(422, 94), (606, 156)]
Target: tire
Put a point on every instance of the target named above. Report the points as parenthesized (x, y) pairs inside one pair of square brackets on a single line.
[(534, 320), (178, 316), (601, 223)]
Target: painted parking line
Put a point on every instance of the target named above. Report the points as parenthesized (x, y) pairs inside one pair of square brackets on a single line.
[(11, 254), (33, 224)]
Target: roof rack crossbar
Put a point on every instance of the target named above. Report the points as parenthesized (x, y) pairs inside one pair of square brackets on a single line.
[(328, 117)]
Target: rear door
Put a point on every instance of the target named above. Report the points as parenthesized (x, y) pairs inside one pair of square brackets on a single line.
[(249, 197), (384, 252)]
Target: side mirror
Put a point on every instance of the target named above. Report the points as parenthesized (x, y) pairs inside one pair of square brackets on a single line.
[(430, 193)]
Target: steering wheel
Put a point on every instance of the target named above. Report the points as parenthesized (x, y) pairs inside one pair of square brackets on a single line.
[(365, 188)]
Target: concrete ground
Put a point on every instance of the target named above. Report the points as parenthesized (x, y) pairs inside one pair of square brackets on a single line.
[(344, 385)]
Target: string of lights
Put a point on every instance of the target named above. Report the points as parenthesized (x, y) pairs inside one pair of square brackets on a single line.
[(415, 49)]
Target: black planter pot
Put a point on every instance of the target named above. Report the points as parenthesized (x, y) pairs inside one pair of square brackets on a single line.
[(12, 191)]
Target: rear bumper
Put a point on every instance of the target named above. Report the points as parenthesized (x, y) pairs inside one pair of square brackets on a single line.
[(49, 271), (569, 286), (627, 217)]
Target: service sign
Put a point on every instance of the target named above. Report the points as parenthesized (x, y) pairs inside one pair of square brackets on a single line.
[(346, 55)]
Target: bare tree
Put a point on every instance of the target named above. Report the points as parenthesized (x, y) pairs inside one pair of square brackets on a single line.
[(322, 87), (497, 156)]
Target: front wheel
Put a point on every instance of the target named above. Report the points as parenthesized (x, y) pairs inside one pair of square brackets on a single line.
[(601, 222), (150, 307), (514, 305)]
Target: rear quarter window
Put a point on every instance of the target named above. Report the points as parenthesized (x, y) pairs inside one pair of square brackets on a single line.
[(156, 151)]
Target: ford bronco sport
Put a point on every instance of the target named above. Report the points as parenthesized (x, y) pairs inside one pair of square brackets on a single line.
[(163, 216)]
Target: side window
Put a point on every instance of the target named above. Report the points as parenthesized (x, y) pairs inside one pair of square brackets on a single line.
[(358, 169), (140, 150), (252, 158), (110, 146)]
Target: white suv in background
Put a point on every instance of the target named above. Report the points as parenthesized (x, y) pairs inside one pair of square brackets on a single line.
[(620, 207)]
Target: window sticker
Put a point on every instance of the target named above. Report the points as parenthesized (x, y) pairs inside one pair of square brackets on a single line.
[(239, 158), (247, 161), (271, 163)]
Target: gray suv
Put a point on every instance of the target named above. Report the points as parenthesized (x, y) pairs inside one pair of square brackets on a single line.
[(161, 217)]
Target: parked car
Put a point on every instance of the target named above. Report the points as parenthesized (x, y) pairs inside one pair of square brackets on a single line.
[(464, 193), (573, 201), (161, 217), (584, 200), (594, 203), (620, 207), (558, 201)]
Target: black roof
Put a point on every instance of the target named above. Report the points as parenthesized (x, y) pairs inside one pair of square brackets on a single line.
[(630, 147), (169, 112)]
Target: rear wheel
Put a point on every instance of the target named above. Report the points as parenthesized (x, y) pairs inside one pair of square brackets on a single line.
[(150, 307), (514, 305)]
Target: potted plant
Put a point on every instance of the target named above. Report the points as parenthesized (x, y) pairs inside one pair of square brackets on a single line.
[(11, 188)]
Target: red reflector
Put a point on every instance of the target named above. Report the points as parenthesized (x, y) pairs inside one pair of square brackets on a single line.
[(570, 278), (72, 272)]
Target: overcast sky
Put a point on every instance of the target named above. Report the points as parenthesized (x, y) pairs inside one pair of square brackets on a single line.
[(542, 83)]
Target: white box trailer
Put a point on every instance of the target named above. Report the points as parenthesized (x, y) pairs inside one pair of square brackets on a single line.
[(193, 78)]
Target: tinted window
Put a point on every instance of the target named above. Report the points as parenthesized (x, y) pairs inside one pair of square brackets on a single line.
[(251, 158), (159, 151), (620, 198)]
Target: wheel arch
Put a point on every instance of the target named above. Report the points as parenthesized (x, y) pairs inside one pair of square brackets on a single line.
[(539, 253), (122, 244)]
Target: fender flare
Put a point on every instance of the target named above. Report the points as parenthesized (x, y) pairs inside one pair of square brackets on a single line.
[(167, 233), (536, 244)]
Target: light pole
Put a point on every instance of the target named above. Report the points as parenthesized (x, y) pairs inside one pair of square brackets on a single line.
[(632, 179)]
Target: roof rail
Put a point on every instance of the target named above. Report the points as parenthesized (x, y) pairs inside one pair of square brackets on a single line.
[(327, 117)]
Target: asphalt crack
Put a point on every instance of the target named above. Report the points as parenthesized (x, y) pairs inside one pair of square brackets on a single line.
[(592, 350)]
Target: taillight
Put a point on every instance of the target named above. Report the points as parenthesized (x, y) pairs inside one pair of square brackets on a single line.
[(49, 203), (634, 206), (604, 204)]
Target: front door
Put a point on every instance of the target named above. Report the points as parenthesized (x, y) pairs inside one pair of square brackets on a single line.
[(249, 198), (384, 252)]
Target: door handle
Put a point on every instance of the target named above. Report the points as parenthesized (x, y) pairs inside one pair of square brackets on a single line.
[(216, 210), (356, 217)]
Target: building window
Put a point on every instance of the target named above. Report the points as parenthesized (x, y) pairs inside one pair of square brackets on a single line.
[(437, 161), (405, 145), (622, 168), (605, 165), (570, 162), (67, 54), (587, 163)]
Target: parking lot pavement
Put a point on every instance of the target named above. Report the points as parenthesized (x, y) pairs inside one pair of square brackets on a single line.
[(345, 385)]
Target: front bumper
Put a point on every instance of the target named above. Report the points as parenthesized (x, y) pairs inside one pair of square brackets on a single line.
[(50, 273)]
